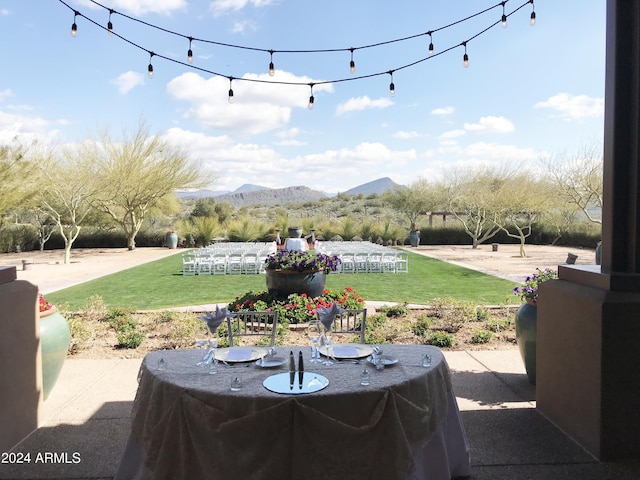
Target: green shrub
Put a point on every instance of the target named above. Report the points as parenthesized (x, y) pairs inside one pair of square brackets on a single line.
[(482, 336), (499, 324), (80, 332), (130, 338), (453, 314), (96, 309), (422, 326), (397, 310), (441, 339)]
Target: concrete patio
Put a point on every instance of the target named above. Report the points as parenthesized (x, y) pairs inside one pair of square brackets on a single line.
[(87, 424)]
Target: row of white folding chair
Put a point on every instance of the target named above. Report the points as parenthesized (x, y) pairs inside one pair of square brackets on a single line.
[(231, 264), (374, 262)]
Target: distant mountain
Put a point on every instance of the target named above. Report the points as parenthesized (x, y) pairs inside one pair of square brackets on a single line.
[(271, 196), (247, 187), (378, 186), (196, 194)]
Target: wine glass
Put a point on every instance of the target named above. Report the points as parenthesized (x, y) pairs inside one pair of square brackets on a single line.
[(327, 339), (314, 332)]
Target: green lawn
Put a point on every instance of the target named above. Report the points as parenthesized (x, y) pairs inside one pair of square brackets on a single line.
[(160, 284)]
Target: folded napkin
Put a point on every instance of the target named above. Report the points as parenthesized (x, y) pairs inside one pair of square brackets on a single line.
[(214, 320), (239, 354), (328, 315), (347, 351)]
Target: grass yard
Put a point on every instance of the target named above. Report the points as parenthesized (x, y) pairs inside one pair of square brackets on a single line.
[(160, 284)]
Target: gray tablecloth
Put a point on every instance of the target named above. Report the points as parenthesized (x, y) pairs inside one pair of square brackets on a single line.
[(187, 424)]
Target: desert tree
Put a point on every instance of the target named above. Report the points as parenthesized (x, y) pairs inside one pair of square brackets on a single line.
[(67, 197), (414, 200), (17, 170), (472, 197), (578, 178), (137, 174)]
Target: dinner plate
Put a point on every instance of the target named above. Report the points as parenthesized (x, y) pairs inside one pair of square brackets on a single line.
[(386, 359), (281, 383), (271, 362), (234, 354), (350, 350)]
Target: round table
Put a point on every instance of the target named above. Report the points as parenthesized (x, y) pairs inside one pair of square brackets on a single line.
[(187, 423)]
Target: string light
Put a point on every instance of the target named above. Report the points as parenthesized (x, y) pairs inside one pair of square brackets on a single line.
[(109, 24), (231, 99), (311, 98), (465, 57), (532, 22), (333, 50), (392, 86), (272, 69), (74, 26), (150, 67), (504, 16)]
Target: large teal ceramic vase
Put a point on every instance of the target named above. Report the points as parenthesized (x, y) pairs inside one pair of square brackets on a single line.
[(171, 240), (295, 232), (54, 342), (414, 238), (283, 283), (526, 328)]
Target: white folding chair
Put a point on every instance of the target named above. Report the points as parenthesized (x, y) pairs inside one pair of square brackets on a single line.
[(189, 265), (261, 326), (389, 262), (374, 262), (250, 263), (204, 264), (361, 260), (234, 263), (219, 263), (402, 262), (348, 262)]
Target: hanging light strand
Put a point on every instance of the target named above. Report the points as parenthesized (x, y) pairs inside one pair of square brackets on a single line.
[(532, 22), (74, 25), (392, 86), (190, 52), (258, 80)]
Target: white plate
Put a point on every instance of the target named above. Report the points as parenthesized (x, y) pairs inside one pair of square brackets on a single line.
[(256, 353), (281, 383), (386, 359), (270, 362), (361, 351)]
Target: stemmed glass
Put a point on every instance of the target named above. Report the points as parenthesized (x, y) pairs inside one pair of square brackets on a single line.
[(314, 332), (328, 342), (210, 341)]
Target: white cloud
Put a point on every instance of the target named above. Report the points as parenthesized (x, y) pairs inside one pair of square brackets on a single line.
[(362, 103), (443, 111), (127, 81), (490, 125), (5, 94), (141, 7), (499, 152), (452, 134), (257, 107), (219, 7), (406, 135), (241, 27), (573, 107), (4, 12)]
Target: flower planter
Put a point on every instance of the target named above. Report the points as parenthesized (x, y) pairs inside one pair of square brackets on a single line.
[(526, 330), (171, 240), (283, 283), (295, 232), (54, 343)]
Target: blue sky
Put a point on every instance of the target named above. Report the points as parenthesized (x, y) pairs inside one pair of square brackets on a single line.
[(528, 92)]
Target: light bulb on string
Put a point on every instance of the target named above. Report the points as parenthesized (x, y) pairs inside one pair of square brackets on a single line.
[(231, 98), (352, 64), (109, 24), (74, 26), (430, 43), (392, 86), (465, 57), (272, 68), (150, 67), (311, 98), (190, 52), (504, 17), (532, 22)]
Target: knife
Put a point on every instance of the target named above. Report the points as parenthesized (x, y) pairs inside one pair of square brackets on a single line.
[(292, 370), (300, 369)]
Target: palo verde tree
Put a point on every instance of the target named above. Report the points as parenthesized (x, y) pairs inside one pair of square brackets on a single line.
[(578, 179), (415, 200), (16, 177), (136, 174), (473, 198)]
